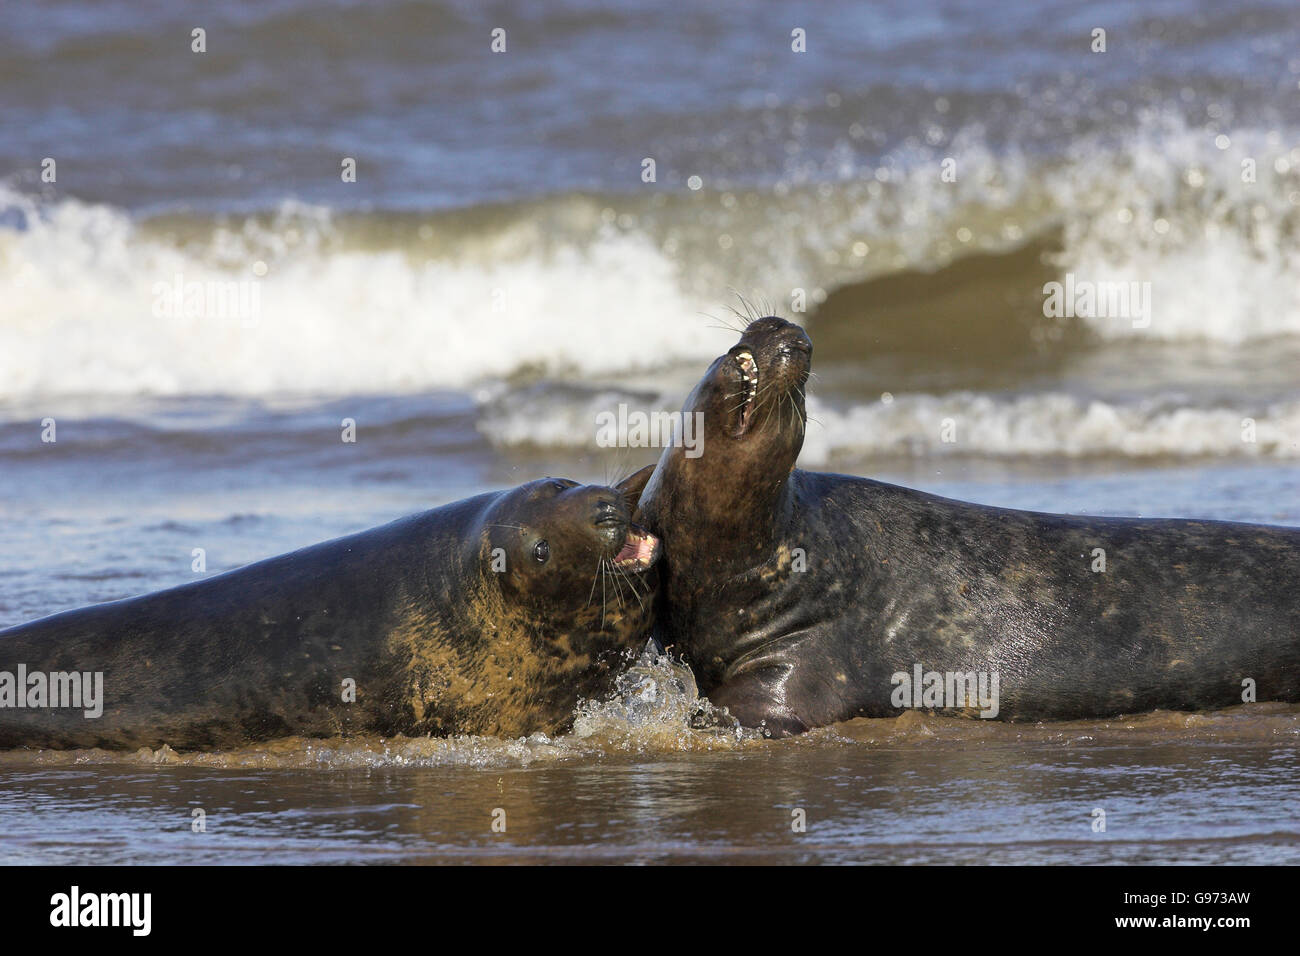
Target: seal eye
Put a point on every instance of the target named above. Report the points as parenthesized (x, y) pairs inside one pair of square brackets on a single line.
[(542, 552)]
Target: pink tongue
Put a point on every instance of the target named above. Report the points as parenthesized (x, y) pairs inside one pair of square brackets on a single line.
[(637, 548)]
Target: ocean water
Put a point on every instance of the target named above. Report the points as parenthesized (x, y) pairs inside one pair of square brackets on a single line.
[(198, 300)]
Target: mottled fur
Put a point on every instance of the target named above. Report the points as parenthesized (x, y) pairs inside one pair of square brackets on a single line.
[(436, 641), (1184, 612)]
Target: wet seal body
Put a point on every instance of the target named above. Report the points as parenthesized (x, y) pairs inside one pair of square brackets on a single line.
[(492, 615), (801, 598)]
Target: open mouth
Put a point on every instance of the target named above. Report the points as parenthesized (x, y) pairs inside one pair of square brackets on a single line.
[(749, 382), (640, 549)]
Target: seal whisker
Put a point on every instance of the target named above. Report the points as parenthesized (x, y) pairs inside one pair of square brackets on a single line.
[(631, 583), (750, 314), (614, 473), (604, 601), (740, 315), (737, 408), (725, 324), (796, 416), (592, 595), (764, 391), (613, 579), (749, 309)]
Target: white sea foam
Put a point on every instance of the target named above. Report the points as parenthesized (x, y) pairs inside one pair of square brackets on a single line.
[(80, 284), (595, 294), (1221, 254), (1036, 425), (1048, 424)]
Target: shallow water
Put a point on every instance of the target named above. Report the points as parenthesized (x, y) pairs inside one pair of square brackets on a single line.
[(1175, 788)]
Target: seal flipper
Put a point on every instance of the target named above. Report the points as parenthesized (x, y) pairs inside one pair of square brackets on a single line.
[(757, 699)]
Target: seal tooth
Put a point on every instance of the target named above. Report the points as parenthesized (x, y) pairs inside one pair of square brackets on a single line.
[(748, 371)]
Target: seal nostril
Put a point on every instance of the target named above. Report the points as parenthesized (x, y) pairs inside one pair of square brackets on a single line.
[(607, 512), (797, 341)]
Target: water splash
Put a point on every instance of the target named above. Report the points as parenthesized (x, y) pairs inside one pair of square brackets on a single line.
[(656, 705)]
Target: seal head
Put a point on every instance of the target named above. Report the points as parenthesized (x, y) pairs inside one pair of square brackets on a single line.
[(717, 512), (553, 592), (558, 541)]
